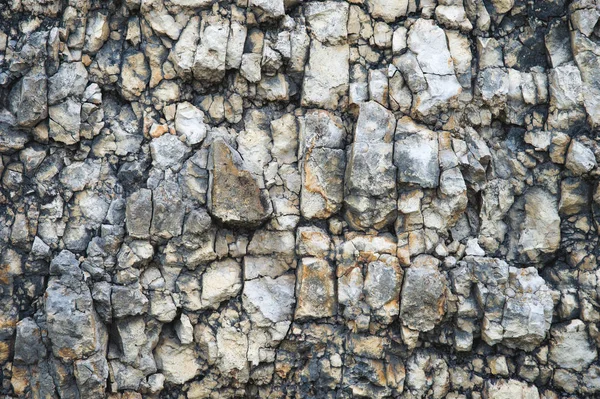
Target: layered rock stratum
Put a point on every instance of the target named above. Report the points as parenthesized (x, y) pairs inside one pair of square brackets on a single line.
[(299, 199)]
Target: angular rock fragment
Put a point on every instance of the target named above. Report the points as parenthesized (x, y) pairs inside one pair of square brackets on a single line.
[(211, 54), (271, 8), (382, 286), (580, 159), (189, 122), (235, 196), (221, 281), (315, 290), (128, 301), (387, 10), (135, 75), (510, 389), (96, 32), (168, 151), (73, 326), (91, 375), (178, 363), (370, 182), (537, 223), (28, 99), (327, 21), (69, 81), (428, 42), (416, 155), (327, 75), (29, 348), (167, 211), (323, 164), (139, 213), (65, 121), (423, 300), (570, 346), (516, 303), (184, 50), (269, 300)]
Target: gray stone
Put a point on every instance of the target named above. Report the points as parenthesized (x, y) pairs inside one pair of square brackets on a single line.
[(135, 75), (272, 8), (65, 121), (538, 233), (184, 50), (370, 182), (510, 389), (570, 346), (326, 76), (167, 211), (268, 300), (383, 282), (388, 10), (565, 87), (139, 213), (211, 54), (73, 326), (96, 32), (70, 80), (29, 348), (220, 282), (416, 155), (128, 301), (91, 375), (168, 152), (178, 363), (580, 159), (327, 21), (28, 99), (189, 122), (423, 300)]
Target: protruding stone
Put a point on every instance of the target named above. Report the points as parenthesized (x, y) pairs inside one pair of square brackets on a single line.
[(221, 281), (580, 159), (416, 154), (538, 235), (268, 300), (510, 389), (235, 196), (423, 301), (323, 163), (315, 290), (370, 183), (27, 99), (168, 152), (388, 10), (326, 76), (570, 346), (139, 213)]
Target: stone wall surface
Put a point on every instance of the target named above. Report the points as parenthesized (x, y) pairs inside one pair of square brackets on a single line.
[(299, 199)]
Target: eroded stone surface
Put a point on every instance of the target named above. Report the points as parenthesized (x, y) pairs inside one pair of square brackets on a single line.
[(307, 199)]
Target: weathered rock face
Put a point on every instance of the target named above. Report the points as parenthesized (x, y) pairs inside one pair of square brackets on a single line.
[(299, 199)]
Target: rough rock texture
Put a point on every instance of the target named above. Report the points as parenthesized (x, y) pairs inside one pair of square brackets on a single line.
[(314, 199)]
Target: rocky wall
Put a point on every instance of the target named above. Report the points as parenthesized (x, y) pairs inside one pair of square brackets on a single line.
[(299, 199)]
